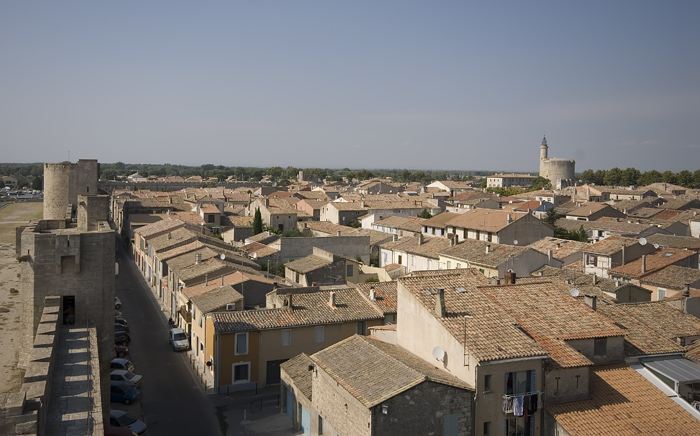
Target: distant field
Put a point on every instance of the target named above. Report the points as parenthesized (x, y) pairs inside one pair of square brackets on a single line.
[(13, 213)]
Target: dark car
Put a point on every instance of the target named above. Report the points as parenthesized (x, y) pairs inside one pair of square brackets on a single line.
[(121, 328), (121, 350), (120, 320), (122, 338), (119, 363)]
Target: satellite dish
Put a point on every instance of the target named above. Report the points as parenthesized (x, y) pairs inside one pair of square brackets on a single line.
[(222, 256), (656, 246), (642, 241), (438, 353), (575, 293), (515, 242)]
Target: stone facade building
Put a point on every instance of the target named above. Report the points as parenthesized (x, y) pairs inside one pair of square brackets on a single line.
[(559, 171)]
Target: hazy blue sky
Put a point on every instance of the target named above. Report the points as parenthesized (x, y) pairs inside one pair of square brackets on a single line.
[(360, 84)]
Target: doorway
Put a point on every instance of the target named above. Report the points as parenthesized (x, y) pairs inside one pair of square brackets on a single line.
[(69, 309)]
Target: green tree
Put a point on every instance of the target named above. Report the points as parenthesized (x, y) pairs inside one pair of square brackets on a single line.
[(630, 176), (685, 178), (551, 217), (540, 182), (257, 222), (38, 183), (669, 177), (613, 177), (588, 177), (425, 214), (649, 177)]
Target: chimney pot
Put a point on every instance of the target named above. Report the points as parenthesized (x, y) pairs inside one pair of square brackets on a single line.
[(331, 300), (644, 263), (372, 294), (420, 238), (590, 300), (488, 248)]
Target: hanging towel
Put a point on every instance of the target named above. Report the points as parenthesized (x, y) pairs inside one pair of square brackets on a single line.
[(532, 404), (518, 405), (508, 405)]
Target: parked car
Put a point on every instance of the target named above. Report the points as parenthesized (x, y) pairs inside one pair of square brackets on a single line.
[(119, 418), (121, 350), (122, 338), (117, 313), (125, 376), (120, 363), (122, 392), (121, 328), (120, 320), (117, 302), (179, 340)]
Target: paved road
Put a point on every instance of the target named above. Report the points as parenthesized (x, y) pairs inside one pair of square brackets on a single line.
[(172, 401)]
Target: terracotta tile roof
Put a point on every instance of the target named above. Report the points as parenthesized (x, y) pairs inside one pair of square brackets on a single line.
[(694, 352), (561, 248), (172, 238), (385, 295), (373, 371), (259, 250), (665, 319), (675, 241), (549, 315), (640, 339), (656, 261), (241, 221), (610, 245), (307, 264), (158, 227), (623, 403), (209, 208), (604, 223), (183, 260), (409, 244), (576, 278), (216, 299), (527, 206), (298, 369), (474, 251), (588, 209), (489, 220), (212, 267), (440, 220), (308, 309), (189, 217), (228, 279), (490, 333), (339, 205), (673, 277), (375, 236)]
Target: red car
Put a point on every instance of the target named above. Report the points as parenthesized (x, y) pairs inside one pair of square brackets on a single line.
[(121, 350)]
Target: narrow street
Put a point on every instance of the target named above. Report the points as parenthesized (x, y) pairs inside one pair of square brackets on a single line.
[(172, 400)]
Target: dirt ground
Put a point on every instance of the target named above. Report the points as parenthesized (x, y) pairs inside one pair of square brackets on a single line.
[(11, 216)]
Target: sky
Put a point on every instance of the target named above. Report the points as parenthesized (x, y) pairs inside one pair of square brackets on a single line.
[(432, 85)]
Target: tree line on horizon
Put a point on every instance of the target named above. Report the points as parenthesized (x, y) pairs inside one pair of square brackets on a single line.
[(634, 177)]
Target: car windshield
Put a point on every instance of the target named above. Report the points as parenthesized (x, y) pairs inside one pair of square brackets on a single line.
[(180, 336), (129, 375), (125, 420)]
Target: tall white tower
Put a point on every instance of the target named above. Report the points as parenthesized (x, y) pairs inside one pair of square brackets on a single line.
[(543, 155)]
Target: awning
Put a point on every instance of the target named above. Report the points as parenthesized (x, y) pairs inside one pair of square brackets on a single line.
[(676, 368)]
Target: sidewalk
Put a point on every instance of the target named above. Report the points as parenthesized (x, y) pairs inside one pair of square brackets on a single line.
[(246, 413)]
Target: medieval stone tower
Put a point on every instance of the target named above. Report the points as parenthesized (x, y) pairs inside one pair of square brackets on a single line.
[(559, 171), (70, 254)]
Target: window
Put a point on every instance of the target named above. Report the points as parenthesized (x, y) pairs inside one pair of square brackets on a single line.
[(590, 259), (241, 343), (459, 265), (430, 264), (661, 294), (320, 424), (413, 260), (600, 346), (400, 259), (487, 428), (449, 264), (201, 317), (487, 382), (286, 337), (520, 382), (319, 334), (349, 270), (241, 373), (362, 327)]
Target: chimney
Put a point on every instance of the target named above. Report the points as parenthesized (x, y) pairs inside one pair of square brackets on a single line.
[(510, 277), (198, 258), (590, 300), (623, 254), (644, 263), (206, 279), (288, 302), (372, 294), (338, 233), (170, 235), (686, 291), (331, 300), (394, 238), (452, 242), (488, 248), (440, 303), (275, 285), (420, 238), (595, 279), (495, 281), (549, 256), (222, 280), (510, 219)]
